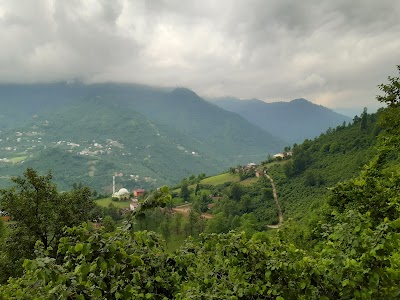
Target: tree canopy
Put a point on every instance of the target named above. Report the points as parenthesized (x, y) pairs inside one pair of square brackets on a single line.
[(40, 212)]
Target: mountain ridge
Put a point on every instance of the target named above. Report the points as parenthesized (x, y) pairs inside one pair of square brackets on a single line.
[(295, 121), (198, 137)]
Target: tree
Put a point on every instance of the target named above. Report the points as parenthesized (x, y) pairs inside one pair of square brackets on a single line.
[(165, 229), (2, 228), (177, 223), (236, 192), (185, 193), (191, 222), (241, 173), (391, 90), (109, 224), (364, 119), (218, 224), (117, 265), (40, 212), (389, 119), (192, 178), (201, 201)]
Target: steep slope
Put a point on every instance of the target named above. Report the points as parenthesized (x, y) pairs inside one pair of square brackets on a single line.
[(223, 135), (231, 137), (293, 121), (335, 156), (90, 140), (300, 182), (21, 101)]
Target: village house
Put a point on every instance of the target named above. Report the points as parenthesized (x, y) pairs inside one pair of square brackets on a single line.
[(251, 165), (283, 155), (138, 192), (133, 204)]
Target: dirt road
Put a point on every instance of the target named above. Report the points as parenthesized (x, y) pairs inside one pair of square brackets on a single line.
[(185, 209), (277, 204)]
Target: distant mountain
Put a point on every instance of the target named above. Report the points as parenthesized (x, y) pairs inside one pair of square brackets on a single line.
[(231, 136), (292, 121), (87, 133), (90, 140), (19, 102)]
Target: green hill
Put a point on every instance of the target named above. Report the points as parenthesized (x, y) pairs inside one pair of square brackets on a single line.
[(92, 139), (232, 137), (302, 180), (157, 134)]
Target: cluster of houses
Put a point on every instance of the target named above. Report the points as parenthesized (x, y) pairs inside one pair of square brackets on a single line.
[(124, 195), (251, 167), (255, 167)]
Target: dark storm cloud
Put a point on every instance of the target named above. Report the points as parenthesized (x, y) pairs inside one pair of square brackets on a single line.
[(331, 52)]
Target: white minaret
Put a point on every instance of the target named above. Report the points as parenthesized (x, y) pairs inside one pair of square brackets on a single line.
[(113, 185)]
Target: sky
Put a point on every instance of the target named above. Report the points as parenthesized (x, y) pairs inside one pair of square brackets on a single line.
[(333, 53)]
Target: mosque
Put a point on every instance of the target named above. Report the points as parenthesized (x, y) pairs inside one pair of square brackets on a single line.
[(122, 194)]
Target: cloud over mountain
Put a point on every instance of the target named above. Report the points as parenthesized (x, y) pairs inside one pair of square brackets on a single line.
[(334, 53)]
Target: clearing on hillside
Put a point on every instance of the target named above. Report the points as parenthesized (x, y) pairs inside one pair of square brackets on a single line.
[(221, 179), (105, 202)]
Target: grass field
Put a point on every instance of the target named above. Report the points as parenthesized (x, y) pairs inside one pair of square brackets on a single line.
[(279, 162), (249, 181), (220, 179), (17, 159), (106, 201)]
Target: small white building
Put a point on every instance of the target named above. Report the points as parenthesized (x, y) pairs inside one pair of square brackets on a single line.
[(122, 194), (283, 154), (133, 204), (252, 165)]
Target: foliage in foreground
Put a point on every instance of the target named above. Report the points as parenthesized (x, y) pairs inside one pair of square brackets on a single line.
[(40, 212), (358, 260)]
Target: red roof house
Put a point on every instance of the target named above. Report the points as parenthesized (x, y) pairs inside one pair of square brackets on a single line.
[(138, 192)]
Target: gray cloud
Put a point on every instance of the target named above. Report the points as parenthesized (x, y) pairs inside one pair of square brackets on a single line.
[(331, 52)]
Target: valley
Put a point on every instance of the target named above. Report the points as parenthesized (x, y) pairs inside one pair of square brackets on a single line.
[(284, 209), (237, 150)]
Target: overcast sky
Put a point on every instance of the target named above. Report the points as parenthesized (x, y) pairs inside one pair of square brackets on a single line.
[(333, 53)]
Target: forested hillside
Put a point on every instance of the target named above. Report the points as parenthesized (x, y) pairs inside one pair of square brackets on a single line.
[(87, 133), (241, 201), (90, 140), (317, 165)]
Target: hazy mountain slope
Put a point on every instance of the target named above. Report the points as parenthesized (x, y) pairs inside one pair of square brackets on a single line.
[(224, 135), (232, 137), (21, 101), (89, 140), (292, 121)]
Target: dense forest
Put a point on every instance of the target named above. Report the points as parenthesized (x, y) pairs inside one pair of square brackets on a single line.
[(340, 238)]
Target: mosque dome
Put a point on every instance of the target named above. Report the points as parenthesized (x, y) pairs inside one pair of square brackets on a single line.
[(123, 191)]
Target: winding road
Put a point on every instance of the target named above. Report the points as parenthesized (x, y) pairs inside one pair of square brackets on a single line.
[(277, 204)]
